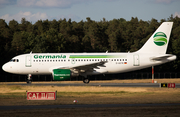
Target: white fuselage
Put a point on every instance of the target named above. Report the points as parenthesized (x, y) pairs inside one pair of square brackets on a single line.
[(41, 63)]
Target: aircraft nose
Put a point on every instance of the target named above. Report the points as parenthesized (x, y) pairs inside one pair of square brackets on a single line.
[(11, 67), (5, 67)]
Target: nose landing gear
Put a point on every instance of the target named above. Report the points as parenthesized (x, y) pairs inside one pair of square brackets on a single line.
[(29, 79)]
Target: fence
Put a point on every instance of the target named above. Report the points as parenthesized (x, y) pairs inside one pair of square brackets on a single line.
[(130, 75)]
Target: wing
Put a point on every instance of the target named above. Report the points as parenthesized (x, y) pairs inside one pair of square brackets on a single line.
[(88, 67), (85, 67)]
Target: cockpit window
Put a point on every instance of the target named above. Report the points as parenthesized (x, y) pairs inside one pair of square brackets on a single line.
[(14, 60)]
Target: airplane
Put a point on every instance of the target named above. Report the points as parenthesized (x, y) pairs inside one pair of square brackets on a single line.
[(62, 66)]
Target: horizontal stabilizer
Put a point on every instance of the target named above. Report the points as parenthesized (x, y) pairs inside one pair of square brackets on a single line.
[(164, 57)]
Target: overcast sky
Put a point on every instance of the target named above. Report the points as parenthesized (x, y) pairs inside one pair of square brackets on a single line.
[(78, 10)]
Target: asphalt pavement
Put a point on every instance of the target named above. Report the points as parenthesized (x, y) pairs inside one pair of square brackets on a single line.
[(83, 106), (177, 85)]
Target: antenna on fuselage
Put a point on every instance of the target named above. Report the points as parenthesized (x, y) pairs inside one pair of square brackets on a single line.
[(31, 52), (107, 51)]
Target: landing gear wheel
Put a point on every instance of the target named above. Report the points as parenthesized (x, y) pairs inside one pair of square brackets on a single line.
[(86, 80), (29, 79), (28, 82)]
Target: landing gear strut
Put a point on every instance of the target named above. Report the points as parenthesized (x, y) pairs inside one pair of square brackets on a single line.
[(29, 79), (86, 80)]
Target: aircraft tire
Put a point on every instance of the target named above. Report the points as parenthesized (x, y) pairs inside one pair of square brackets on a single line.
[(86, 80), (28, 82)]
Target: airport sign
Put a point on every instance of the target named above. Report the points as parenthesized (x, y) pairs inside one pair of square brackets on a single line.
[(171, 85), (167, 85), (41, 95)]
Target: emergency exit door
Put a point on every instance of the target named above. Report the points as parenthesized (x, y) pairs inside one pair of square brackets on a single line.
[(136, 60), (28, 61)]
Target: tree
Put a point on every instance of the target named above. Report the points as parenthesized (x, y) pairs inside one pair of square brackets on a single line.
[(24, 24), (38, 27), (19, 42), (86, 42), (13, 25), (5, 36), (54, 24), (114, 36), (3, 25)]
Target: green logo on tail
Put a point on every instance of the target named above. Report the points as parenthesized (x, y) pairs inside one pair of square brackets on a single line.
[(160, 39)]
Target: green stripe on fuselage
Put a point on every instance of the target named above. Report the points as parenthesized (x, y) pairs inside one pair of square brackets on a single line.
[(96, 56)]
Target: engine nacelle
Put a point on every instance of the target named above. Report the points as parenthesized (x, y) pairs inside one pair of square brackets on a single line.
[(63, 74)]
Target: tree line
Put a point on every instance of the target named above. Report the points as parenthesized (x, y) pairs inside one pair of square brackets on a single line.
[(117, 35)]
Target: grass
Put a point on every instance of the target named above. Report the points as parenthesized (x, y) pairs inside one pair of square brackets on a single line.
[(16, 95)]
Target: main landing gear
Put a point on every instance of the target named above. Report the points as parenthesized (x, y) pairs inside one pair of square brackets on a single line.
[(29, 79), (86, 80)]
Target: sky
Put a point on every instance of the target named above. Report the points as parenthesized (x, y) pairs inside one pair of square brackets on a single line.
[(77, 10)]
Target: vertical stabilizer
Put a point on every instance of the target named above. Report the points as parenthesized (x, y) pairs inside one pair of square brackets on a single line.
[(158, 42)]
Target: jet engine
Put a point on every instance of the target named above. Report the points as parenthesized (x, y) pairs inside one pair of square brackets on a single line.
[(63, 74)]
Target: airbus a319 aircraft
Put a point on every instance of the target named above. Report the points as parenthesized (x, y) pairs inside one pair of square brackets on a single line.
[(62, 66)]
